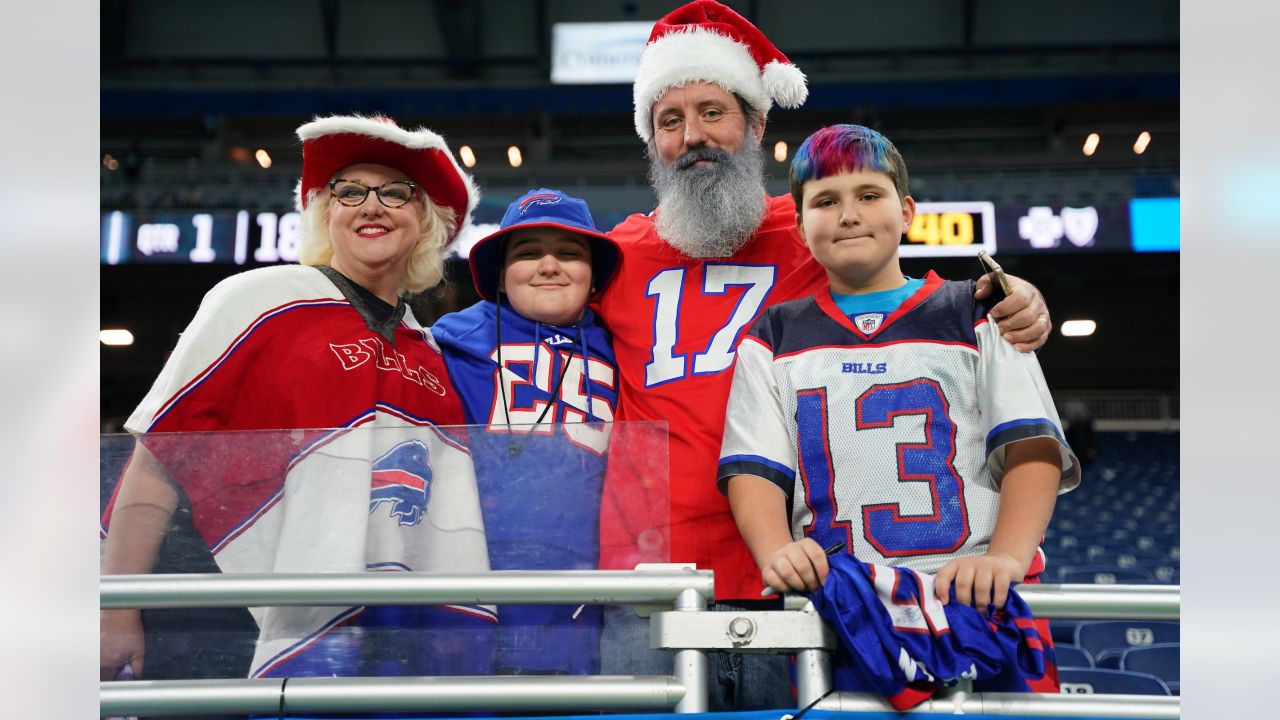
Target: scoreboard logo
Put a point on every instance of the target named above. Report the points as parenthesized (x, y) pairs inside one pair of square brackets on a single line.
[(1043, 229), (950, 229)]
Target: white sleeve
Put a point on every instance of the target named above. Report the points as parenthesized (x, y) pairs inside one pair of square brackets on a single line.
[(1016, 405), (757, 438)]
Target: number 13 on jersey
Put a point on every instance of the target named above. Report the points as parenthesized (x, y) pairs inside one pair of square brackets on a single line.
[(929, 461), (667, 287)]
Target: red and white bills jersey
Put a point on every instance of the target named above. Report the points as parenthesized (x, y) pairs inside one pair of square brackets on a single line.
[(371, 484), (676, 323), (892, 442)]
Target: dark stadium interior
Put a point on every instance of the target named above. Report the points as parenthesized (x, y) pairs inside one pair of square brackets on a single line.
[(988, 100)]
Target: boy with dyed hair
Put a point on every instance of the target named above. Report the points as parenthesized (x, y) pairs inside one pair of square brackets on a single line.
[(886, 414)]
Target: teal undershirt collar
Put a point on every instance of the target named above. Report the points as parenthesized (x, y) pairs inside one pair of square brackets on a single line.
[(885, 301)]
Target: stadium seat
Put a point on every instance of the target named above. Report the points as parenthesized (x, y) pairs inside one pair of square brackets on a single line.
[(1162, 660), (1109, 659), (1105, 575), (1095, 637), (1071, 656), (1063, 631), (1088, 681), (1164, 571)]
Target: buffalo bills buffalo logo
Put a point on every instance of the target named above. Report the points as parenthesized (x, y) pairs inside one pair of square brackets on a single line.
[(539, 199), (402, 479)]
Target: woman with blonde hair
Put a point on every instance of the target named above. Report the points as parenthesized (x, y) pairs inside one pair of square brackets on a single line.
[(326, 345)]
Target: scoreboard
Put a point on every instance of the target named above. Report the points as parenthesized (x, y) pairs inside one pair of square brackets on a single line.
[(939, 229), (949, 229), (178, 238)]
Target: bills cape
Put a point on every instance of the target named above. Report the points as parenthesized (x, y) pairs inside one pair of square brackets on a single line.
[(377, 487), (897, 640)]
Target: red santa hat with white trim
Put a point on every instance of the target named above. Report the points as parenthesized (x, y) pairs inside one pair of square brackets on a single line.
[(332, 143), (706, 41)]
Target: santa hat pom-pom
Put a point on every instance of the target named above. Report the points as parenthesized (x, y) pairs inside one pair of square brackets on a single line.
[(785, 84)]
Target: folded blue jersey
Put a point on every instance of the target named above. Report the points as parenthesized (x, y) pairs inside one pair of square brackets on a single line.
[(897, 640)]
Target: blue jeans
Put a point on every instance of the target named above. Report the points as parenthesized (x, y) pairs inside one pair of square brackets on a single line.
[(735, 681)]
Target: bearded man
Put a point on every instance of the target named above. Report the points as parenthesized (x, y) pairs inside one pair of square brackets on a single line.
[(696, 272)]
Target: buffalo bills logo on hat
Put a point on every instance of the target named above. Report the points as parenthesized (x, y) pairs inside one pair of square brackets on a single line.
[(402, 479), (538, 199)]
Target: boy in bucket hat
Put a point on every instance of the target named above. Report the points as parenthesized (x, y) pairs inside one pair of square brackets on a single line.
[(533, 365)]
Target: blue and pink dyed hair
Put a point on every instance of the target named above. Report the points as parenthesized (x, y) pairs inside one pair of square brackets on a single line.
[(838, 149)]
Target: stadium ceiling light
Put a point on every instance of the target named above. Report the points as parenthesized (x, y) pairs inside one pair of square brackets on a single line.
[(1078, 328), (1091, 144), (263, 158), (468, 156), (1140, 145), (514, 157), (115, 337), (780, 151), (111, 163)]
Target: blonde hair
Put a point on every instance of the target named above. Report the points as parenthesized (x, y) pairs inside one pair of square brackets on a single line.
[(426, 260)]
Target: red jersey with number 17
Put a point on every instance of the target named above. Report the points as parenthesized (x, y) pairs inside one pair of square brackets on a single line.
[(676, 323)]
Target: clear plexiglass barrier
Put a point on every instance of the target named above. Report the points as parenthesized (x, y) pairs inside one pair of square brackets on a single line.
[(378, 500)]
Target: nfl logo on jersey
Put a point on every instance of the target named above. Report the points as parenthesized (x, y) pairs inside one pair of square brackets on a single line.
[(869, 322)]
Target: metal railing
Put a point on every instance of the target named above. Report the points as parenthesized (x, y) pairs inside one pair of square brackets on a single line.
[(404, 694), (596, 587), (686, 629), (959, 702)]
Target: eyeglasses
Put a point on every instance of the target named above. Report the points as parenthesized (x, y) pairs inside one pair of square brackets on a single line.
[(393, 194)]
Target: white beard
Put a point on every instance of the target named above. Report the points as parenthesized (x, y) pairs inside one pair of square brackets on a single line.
[(710, 211)]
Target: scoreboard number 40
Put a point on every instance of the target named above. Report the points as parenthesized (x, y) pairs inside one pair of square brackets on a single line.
[(949, 229), (952, 228)]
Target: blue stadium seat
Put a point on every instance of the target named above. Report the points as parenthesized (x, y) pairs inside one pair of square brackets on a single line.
[(1164, 571), (1162, 660), (1063, 631), (1095, 637), (1105, 575), (1067, 540), (1111, 682), (1157, 553), (1071, 656), (1121, 535), (1109, 659), (1145, 542)]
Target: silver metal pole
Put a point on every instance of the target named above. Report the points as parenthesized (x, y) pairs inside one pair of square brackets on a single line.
[(597, 587), (1019, 704), (1104, 602), (407, 694), (813, 674), (1086, 602), (691, 665)]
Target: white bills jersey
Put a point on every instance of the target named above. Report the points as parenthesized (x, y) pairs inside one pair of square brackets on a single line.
[(891, 440)]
